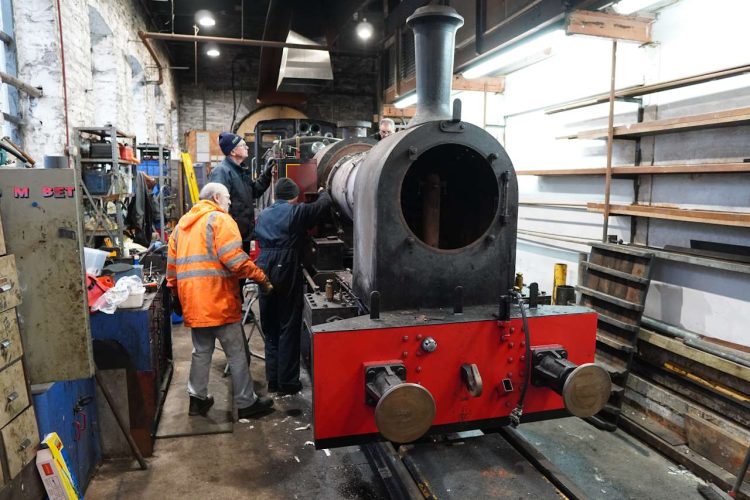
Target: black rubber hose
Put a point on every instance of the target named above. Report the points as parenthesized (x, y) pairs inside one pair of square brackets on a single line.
[(515, 415)]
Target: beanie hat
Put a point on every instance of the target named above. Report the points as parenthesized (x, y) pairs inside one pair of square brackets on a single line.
[(286, 189), (228, 141)]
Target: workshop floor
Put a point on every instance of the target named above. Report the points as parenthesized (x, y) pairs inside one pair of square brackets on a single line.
[(270, 458), (263, 459)]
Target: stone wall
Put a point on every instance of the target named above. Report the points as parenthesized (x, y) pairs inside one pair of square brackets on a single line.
[(108, 71)]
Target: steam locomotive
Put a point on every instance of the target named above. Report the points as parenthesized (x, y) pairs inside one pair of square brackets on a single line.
[(411, 320)]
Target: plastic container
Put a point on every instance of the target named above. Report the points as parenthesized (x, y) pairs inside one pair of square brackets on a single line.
[(97, 181), (151, 168), (134, 301), (94, 260)]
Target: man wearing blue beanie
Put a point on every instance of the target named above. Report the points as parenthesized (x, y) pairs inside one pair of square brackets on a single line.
[(282, 232), (237, 178)]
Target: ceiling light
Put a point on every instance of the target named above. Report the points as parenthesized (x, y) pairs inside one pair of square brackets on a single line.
[(406, 100), (518, 56), (627, 7), (364, 29), (205, 18), (213, 52)]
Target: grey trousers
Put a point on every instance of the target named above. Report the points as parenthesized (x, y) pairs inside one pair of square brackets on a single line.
[(232, 341)]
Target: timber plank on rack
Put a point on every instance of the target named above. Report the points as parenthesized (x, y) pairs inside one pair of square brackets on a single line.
[(704, 168), (738, 219), (728, 118), (641, 90)]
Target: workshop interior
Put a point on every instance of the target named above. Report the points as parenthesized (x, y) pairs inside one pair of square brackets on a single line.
[(395, 249)]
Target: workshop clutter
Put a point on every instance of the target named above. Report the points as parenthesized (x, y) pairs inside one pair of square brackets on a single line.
[(127, 293), (94, 260)]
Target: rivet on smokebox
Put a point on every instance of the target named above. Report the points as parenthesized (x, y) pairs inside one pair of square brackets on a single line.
[(419, 369), (405, 338), (404, 354), (510, 359)]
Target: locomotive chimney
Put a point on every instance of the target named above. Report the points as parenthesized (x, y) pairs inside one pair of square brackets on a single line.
[(435, 29)]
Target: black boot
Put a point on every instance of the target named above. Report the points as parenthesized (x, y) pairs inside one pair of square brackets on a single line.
[(261, 405), (289, 389), (200, 406)]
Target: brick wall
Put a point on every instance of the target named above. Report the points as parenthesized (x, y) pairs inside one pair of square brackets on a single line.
[(351, 95)]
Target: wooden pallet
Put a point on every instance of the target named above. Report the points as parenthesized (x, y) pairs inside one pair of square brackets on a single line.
[(615, 285)]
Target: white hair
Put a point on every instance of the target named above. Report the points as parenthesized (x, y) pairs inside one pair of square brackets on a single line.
[(212, 189), (389, 122)]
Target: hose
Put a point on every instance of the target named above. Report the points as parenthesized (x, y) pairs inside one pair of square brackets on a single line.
[(515, 415)]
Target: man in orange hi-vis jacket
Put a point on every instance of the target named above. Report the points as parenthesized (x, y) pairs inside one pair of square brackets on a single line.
[(203, 267)]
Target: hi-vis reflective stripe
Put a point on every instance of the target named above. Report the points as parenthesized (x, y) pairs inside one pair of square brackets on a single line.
[(229, 247), (203, 273), (239, 259), (210, 233), (192, 259)]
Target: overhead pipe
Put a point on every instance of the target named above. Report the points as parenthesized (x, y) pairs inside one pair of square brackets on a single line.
[(147, 44), (694, 340), (231, 41)]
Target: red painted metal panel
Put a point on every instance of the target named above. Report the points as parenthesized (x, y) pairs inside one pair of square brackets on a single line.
[(305, 175), (339, 359)]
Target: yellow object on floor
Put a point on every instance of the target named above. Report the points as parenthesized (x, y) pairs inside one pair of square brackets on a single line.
[(53, 469)]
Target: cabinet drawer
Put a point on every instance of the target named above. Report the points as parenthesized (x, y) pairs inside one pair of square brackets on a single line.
[(13, 394), (10, 293), (10, 338), (20, 441)]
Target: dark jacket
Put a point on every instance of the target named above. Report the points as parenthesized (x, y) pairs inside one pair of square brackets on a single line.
[(242, 191), (281, 232)]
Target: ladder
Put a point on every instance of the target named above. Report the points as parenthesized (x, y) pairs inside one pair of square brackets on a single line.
[(192, 182), (615, 285)]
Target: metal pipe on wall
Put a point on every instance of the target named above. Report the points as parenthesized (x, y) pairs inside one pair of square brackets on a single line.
[(150, 49), (693, 340)]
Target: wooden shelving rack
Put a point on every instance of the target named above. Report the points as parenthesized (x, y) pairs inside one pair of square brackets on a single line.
[(635, 131)]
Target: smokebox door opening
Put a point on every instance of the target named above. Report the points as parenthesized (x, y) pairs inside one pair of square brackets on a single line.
[(449, 196)]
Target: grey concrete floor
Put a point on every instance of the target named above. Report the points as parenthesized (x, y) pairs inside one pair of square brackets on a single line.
[(266, 458), (269, 458)]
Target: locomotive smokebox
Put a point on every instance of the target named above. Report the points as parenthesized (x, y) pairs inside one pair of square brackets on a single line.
[(436, 204)]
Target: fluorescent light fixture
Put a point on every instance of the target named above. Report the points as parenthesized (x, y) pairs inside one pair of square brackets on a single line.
[(520, 56), (213, 52), (205, 18), (407, 100), (627, 7), (364, 29)]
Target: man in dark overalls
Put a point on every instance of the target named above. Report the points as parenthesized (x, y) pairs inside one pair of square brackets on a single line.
[(281, 230)]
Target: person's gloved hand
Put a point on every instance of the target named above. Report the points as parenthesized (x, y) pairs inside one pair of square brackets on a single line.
[(176, 305), (266, 288), (269, 169)]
